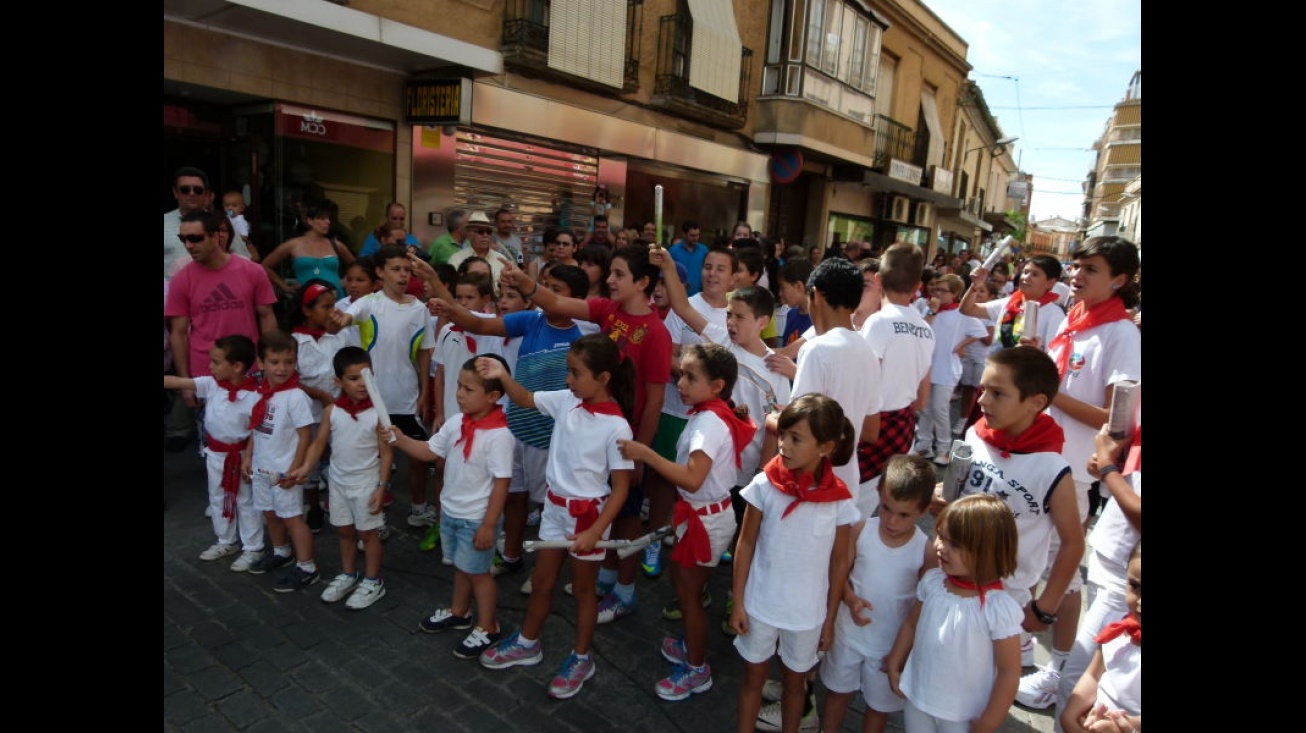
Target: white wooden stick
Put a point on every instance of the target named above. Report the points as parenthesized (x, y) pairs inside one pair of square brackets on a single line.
[(625, 548)]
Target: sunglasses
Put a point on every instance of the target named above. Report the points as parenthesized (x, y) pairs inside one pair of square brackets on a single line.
[(192, 238), (482, 230), (191, 190)]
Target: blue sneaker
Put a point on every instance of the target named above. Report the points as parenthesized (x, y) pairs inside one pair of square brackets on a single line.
[(652, 565)]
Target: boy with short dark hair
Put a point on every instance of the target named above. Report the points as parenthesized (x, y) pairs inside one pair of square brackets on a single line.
[(891, 555), (395, 331), (475, 447), (359, 476), (793, 294), (281, 424)]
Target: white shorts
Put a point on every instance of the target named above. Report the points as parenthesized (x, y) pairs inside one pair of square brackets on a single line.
[(349, 506), (528, 465), (269, 497), (971, 370), (720, 530), (846, 670), (556, 523), (1081, 500), (798, 649)]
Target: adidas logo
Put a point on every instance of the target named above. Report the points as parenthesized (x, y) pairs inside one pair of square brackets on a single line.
[(221, 299)]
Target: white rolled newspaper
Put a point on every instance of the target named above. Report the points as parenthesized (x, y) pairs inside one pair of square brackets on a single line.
[(997, 252), (624, 548), (1124, 405), (369, 381), (958, 468), (1029, 327)]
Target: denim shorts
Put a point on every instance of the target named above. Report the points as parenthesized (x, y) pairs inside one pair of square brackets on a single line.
[(456, 540)]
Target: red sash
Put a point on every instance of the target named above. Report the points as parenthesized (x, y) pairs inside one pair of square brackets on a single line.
[(695, 546), (230, 471)]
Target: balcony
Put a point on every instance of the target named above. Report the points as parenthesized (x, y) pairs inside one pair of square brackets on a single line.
[(672, 91), (892, 140), (525, 45)]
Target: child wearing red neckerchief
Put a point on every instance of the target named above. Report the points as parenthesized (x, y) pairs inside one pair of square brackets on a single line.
[(1016, 456), (957, 656), (588, 480), (1112, 687), (475, 448), (706, 467), (229, 395), (1096, 347), (359, 475), (793, 554)]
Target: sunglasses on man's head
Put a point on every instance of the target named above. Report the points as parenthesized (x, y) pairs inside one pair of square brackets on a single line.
[(192, 238), (191, 190)]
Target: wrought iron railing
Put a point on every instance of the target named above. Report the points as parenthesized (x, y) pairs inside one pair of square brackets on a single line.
[(671, 85)]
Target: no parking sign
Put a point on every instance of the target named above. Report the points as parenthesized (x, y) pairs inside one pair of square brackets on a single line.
[(785, 165)]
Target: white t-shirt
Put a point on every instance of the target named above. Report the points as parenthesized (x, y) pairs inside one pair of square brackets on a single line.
[(1063, 293), (1112, 540), (841, 365), (351, 336), (1121, 685), (225, 420), (315, 367), (583, 448), (950, 329), (904, 342), (274, 441), (950, 670), (454, 348), (1024, 482), (887, 577), (1050, 316), (355, 448), (708, 433), (393, 333), (789, 580), (683, 335), (469, 481), (1099, 356), (758, 388)]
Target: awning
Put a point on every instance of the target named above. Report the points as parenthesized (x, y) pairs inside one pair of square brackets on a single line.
[(716, 47), (958, 219), (999, 221), (881, 182)]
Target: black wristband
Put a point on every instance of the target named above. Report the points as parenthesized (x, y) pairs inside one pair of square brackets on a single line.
[(1109, 468), (1043, 618)]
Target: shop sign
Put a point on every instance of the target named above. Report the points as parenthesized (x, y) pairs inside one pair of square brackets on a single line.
[(904, 171), (438, 101)]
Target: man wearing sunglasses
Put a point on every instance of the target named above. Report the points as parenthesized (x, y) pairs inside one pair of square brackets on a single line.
[(215, 294), (190, 186), (480, 242)]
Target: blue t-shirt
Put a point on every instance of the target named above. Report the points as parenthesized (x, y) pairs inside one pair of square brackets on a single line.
[(372, 244), (693, 262), (541, 367), (796, 322)]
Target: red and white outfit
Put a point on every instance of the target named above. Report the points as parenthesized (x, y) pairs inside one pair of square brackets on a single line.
[(582, 454), (274, 440), (226, 423), (703, 523)]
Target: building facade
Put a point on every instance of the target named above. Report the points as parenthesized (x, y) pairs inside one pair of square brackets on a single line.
[(1119, 160)]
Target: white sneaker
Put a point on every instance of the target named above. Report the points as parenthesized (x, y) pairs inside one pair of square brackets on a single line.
[(247, 558), (424, 518), (768, 718), (526, 587), (219, 550), (208, 511), (772, 691), (339, 587), (1038, 689), (367, 593), (533, 519), (446, 560)]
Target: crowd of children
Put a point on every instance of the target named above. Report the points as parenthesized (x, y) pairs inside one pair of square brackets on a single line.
[(802, 457)]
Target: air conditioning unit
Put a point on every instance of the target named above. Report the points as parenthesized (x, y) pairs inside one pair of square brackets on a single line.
[(924, 215), (899, 209)]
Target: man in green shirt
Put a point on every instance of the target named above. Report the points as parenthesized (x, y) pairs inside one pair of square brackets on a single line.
[(444, 246)]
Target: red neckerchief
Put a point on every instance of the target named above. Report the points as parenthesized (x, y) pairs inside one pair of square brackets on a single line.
[(266, 390), (1044, 435), (1016, 304), (741, 430), (1134, 457), (694, 546), (1081, 319), (1127, 625), (346, 403), (467, 338), (948, 307), (828, 488), (316, 333), (495, 419), (230, 471), (602, 408), (234, 389), (982, 588)]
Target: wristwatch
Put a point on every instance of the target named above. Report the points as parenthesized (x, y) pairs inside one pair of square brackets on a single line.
[(1043, 618)]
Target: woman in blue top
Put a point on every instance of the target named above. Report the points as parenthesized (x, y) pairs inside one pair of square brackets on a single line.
[(314, 254)]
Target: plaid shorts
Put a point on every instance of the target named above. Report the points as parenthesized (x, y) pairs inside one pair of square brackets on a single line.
[(897, 431)]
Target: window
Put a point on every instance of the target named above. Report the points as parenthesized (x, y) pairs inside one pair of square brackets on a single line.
[(588, 38)]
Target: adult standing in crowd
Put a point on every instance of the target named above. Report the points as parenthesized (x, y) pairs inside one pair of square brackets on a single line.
[(190, 187), (444, 246), (505, 240), (396, 217)]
